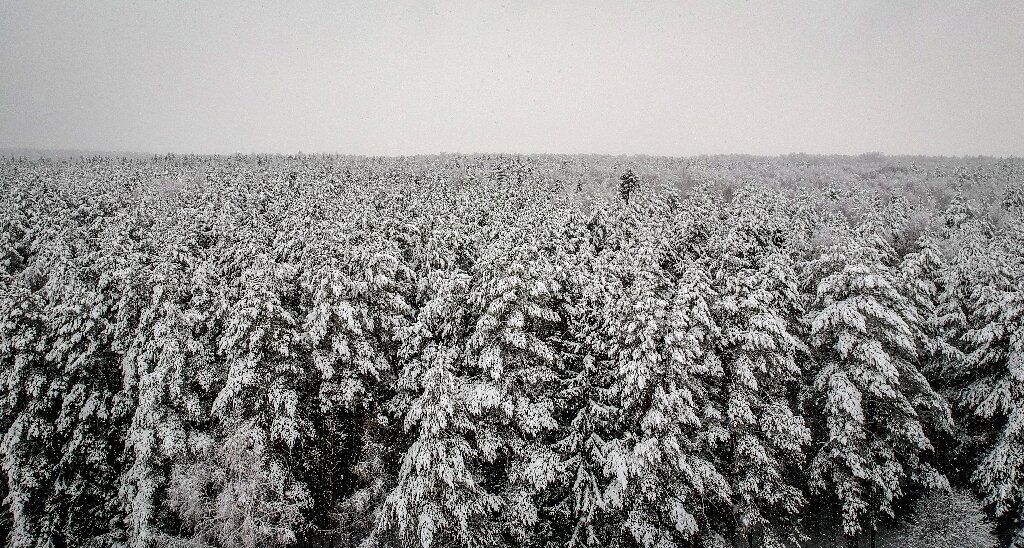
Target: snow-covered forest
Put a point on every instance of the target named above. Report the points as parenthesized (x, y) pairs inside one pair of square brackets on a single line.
[(503, 351)]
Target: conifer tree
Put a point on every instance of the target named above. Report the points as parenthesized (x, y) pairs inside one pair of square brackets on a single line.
[(993, 387), (875, 406), (240, 488), (629, 184), (171, 365), (438, 496), (66, 403), (356, 320), (28, 413), (760, 310), (967, 239), (921, 272), (657, 332), (514, 298), (584, 405)]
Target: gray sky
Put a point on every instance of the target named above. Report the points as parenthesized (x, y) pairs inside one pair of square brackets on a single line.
[(677, 78)]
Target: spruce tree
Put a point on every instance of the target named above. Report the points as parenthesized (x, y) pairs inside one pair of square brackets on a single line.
[(766, 435), (584, 406), (875, 406), (240, 485), (993, 386), (658, 334), (171, 366)]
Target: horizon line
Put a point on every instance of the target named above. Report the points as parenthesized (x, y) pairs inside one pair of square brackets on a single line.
[(60, 152)]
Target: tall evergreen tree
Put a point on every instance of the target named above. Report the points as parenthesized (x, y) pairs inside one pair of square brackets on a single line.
[(993, 386), (874, 404), (657, 331), (760, 310), (584, 406), (240, 487), (439, 496), (171, 366)]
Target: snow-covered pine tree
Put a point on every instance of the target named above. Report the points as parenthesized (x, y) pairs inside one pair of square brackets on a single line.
[(924, 275), (28, 412), (477, 370), (759, 309), (575, 515), (584, 403), (629, 183), (966, 239), (514, 299), (874, 407), (437, 496), (66, 403), (22, 344), (355, 323), (656, 330), (173, 367), (240, 486), (992, 386), (921, 274)]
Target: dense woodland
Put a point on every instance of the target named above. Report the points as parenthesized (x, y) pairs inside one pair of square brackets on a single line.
[(492, 351)]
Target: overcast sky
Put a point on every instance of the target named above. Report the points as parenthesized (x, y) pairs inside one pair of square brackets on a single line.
[(674, 78)]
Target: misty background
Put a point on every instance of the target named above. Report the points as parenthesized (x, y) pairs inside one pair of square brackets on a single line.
[(569, 77)]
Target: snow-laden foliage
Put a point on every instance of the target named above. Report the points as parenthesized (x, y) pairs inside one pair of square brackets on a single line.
[(874, 406), (993, 388), (759, 307), (172, 365), (495, 351), (655, 329)]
